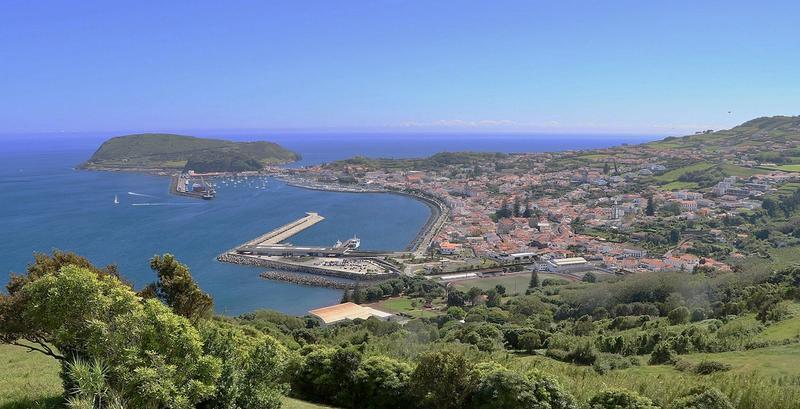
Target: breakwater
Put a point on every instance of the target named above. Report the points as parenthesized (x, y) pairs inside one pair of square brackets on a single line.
[(289, 266), (306, 279)]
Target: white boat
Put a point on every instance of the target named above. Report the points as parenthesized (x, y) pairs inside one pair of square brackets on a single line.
[(116, 199)]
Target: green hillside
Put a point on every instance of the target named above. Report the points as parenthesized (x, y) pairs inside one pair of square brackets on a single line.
[(756, 134), (179, 152)]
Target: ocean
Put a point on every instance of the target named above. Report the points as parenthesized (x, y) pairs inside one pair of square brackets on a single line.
[(45, 204)]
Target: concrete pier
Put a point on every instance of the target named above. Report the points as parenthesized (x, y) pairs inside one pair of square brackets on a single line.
[(284, 232)]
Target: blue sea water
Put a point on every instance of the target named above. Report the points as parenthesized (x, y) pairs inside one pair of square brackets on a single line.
[(45, 204)]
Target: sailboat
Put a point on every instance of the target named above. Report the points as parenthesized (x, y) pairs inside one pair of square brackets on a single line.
[(116, 199)]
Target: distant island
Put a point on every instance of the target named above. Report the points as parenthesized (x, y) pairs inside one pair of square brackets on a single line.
[(169, 152)]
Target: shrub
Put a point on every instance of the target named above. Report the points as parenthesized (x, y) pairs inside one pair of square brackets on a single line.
[(662, 354), (620, 399), (709, 367), (704, 398), (583, 353), (679, 315), (698, 315)]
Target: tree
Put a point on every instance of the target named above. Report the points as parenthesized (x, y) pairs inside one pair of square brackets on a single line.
[(606, 168), (674, 236), (620, 399), (650, 210), (78, 314), (532, 340), (517, 207), (534, 279), (501, 289), (473, 294), (442, 380), (177, 288), (253, 366), (455, 298), (589, 277), (678, 316), (492, 298), (382, 382)]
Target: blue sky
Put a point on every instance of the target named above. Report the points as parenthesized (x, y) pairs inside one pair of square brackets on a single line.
[(557, 66)]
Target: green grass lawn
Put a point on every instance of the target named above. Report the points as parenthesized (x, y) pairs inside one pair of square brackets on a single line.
[(678, 185), (404, 305), (788, 168), (516, 283), (786, 329), (28, 380), (674, 174), (783, 360)]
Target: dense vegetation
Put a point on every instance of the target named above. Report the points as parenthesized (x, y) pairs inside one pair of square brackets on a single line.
[(167, 151), (580, 345)]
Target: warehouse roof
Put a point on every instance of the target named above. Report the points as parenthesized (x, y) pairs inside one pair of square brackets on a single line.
[(347, 311)]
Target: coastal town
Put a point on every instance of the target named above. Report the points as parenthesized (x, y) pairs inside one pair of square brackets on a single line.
[(622, 210)]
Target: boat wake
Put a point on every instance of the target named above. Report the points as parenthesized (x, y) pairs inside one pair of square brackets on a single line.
[(164, 204), (139, 194)]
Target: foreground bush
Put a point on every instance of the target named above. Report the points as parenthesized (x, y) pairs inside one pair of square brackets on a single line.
[(620, 399), (498, 387), (704, 398)]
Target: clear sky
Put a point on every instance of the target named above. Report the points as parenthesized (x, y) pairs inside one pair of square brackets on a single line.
[(557, 66)]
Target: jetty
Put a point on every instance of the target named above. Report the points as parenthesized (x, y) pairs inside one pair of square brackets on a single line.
[(286, 231)]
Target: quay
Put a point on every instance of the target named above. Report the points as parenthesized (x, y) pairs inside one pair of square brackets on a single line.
[(286, 231)]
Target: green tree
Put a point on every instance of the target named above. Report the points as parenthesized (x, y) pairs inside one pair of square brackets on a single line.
[(97, 317), (589, 277), (474, 294), (650, 209), (678, 316), (382, 382), (442, 380), (492, 298), (177, 288), (253, 366), (534, 279)]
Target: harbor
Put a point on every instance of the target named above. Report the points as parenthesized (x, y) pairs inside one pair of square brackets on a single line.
[(192, 185), (342, 259)]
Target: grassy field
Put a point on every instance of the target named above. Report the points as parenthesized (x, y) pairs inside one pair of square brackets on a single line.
[(767, 386), (774, 361), (678, 185), (403, 305), (28, 380), (788, 168), (516, 283), (786, 329), (674, 174)]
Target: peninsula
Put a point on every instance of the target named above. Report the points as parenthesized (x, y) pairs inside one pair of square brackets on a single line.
[(151, 152)]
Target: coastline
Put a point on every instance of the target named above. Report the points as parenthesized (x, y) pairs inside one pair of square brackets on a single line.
[(438, 210)]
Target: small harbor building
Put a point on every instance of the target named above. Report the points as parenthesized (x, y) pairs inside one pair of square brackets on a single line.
[(348, 311)]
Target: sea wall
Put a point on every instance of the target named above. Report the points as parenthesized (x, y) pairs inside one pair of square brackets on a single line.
[(305, 279), (288, 266)]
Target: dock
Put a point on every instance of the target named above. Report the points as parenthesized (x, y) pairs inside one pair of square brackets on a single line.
[(286, 231)]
